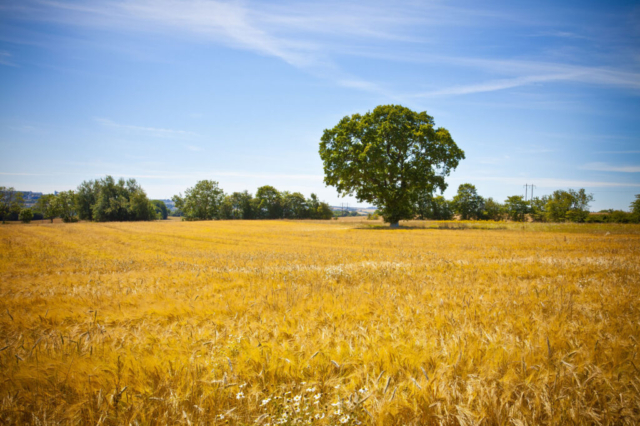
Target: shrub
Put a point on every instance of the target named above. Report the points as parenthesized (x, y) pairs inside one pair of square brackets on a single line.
[(25, 215)]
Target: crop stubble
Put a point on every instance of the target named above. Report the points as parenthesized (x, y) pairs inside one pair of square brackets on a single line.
[(265, 322)]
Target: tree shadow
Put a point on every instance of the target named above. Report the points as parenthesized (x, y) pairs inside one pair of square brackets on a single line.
[(444, 227)]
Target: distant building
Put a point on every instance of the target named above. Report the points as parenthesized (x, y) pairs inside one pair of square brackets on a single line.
[(29, 197)]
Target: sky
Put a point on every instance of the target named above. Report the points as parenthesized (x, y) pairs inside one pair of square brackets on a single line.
[(171, 92)]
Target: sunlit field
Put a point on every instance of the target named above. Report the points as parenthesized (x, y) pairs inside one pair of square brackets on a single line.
[(336, 322)]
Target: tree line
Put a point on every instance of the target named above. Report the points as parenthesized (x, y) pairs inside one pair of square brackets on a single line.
[(111, 200), (106, 200), (207, 201), (560, 206)]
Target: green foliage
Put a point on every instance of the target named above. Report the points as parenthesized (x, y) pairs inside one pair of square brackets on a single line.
[(635, 209), (537, 209), (48, 206), (238, 205), (611, 216), (202, 202), (467, 203), (65, 204), (161, 210), (441, 208), (26, 215), (324, 212), (294, 206), (388, 157), (516, 208), (269, 202), (568, 205), (493, 210), (434, 208), (86, 198), (120, 201), (10, 202)]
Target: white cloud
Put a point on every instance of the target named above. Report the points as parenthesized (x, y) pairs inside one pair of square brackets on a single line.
[(156, 131), (604, 167)]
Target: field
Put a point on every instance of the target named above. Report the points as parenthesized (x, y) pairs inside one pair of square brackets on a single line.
[(337, 322)]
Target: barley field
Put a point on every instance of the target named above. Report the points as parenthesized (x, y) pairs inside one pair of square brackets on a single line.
[(337, 322)]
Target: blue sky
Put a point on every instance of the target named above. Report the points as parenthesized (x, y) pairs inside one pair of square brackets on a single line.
[(171, 92)]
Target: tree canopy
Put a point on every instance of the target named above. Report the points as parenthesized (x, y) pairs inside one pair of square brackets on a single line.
[(467, 203), (162, 212), (48, 206), (202, 202), (120, 201), (10, 202), (388, 157)]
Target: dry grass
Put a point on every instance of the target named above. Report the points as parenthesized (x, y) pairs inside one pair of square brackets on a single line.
[(333, 322)]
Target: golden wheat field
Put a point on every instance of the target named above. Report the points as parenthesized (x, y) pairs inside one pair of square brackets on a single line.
[(276, 322)]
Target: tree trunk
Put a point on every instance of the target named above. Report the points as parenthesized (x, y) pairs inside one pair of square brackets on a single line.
[(394, 225)]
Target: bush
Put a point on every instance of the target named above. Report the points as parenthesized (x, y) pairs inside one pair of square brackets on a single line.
[(595, 218), (25, 215)]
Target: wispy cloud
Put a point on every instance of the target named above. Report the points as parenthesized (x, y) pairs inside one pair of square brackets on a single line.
[(21, 174), (194, 148), (604, 167), (313, 37), (161, 175), (155, 131), (565, 73), (5, 59), (619, 152), (548, 182), (491, 86)]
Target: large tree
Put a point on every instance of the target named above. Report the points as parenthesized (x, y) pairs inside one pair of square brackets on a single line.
[(202, 202), (388, 157)]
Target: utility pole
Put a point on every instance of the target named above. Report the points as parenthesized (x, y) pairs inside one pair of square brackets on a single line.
[(532, 186), (526, 191)]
